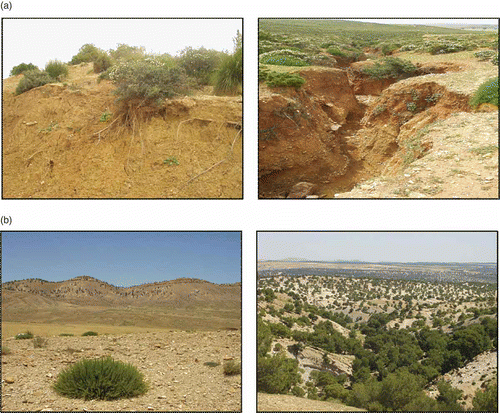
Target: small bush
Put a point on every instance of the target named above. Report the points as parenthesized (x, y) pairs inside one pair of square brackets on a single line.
[(66, 335), (275, 79), (231, 368), (89, 333), (211, 363), (23, 67), (24, 336), (484, 54), (486, 93), (39, 342), (200, 63), (390, 67), (102, 62), (32, 79), (5, 350), (56, 69), (148, 79), (87, 53), (100, 379)]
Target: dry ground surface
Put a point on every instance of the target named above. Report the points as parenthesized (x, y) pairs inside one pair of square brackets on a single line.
[(57, 143), (172, 363), (286, 403)]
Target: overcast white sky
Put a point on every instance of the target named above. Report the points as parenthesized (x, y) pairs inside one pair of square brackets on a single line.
[(39, 40)]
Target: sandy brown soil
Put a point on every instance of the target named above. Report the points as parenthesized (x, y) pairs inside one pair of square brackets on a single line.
[(57, 143), (171, 361), (286, 403)]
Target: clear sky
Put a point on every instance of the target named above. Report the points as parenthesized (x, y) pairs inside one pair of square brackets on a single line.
[(380, 246), (39, 40), (122, 258)]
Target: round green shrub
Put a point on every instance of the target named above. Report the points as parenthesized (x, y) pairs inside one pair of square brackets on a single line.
[(32, 79), (486, 93), (21, 68), (390, 67), (275, 79), (100, 379), (56, 69), (148, 79), (87, 53), (102, 62), (89, 333)]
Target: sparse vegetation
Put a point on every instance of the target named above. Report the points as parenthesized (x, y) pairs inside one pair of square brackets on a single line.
[(32, 79), (101, 379), (89, 333), (24, 336)]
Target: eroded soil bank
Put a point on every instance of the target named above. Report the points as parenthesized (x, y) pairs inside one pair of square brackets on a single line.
[(342, 131)]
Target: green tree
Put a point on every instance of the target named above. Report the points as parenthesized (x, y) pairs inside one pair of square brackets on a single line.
[(401, 388), (277, 374), (448, 397), (486, 400)]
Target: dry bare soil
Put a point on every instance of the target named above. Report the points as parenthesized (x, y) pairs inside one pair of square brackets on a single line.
[(167, 330), (58, 142), (285, 403)]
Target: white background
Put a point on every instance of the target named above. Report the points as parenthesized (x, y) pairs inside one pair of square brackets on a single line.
[(251, 214)]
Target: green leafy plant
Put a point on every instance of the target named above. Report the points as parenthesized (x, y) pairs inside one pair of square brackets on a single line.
[(101, 379), (87, 53), (32, 79), (200, 63), (105, 116), (21, 68), (486, 93), (275, 79), (171, 160), (56, 69), (89, 333), (24, 336), (231, 368)]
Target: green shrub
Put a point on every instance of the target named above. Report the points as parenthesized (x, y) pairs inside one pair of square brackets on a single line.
[(23, 67), (32, 79), (390, 67), (484, 54), (335, 51), (486, 400), (39, 342), (444, 47), (228, 77), (100, 379), (495, 60), (87, 53), (102, 62), (232, 368), (24, 336), (211, 363), (275, 79), (277, 374), (148, 79), (56, 69), (200, 63), (486, 93), (282, 60), (5, 350), (89, 333), (66, 335)]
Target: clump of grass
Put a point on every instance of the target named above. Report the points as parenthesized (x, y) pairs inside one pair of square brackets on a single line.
[(24, 336), (39, 342), (228, 77), (100, 379), (231, 368), (486, 93), (211, 363), (89, 333)]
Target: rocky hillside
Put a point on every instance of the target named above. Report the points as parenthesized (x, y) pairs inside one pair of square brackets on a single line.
[(93, 291)]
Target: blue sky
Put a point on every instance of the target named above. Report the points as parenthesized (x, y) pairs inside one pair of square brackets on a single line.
[(380, 246), (39, 40), (122, 258)]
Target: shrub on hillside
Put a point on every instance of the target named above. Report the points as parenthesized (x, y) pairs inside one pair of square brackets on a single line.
[(285, 57), (486, 93), (148, 79), (24, 336), (486, 400), (102, 62), (87, 53), (39, 342), (200, 63), (32, 79), (228, 77), (89, 333), (390, 67), (444, 47), (101, 379), (277, 374), (56, 69), (21, 68)]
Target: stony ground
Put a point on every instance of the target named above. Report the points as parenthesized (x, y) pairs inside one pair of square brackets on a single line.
[(172, 363), (284, 403)]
